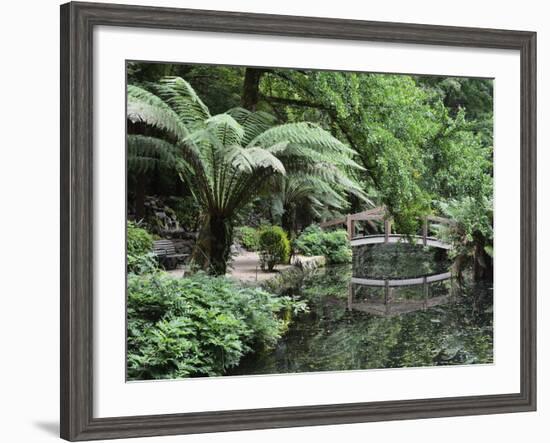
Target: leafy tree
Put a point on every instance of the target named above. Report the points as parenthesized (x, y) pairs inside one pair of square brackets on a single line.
[(385, 118), (472, 234), (227, 159)]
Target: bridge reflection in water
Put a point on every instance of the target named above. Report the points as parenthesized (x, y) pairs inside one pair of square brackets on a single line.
[(380, 296)]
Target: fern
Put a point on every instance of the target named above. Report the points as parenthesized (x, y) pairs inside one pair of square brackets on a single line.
[(145, 153), (226, 159), (143, 106)]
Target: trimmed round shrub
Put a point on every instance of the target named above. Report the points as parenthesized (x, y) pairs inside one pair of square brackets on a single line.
[(274, 247)]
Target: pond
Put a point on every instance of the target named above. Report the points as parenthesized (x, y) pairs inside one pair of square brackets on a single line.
[(395, 306)]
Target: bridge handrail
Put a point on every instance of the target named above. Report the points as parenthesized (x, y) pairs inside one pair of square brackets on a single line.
[(381, 213)]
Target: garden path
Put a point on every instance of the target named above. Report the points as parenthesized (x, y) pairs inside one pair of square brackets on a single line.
[(246, 268)]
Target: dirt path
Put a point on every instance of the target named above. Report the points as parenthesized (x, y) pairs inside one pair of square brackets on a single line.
[(246, 268)]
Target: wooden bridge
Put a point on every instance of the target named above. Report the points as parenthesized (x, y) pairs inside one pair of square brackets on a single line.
[(381, 214)]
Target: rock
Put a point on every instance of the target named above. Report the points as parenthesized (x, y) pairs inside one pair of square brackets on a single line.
[(308, 263)]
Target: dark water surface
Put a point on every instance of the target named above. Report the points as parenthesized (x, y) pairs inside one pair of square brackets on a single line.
[(383, 324)]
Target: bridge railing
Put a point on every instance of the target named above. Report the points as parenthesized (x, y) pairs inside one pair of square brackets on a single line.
[(381, 214)]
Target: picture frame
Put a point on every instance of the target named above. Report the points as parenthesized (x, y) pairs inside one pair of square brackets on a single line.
[(78, 21)]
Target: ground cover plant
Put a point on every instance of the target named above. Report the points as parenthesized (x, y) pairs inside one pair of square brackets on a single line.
[(198, 326)]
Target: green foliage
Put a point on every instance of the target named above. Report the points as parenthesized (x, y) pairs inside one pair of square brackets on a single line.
[(187, 212), (274, 247), (472, 235), (248, 237), (138, 240), (387, 119), (409, 142), (227, 159), (139, 245), (334, 245), (198, 326), (141, 263)]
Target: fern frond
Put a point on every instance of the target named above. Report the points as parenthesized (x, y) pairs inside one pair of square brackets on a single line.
[(254, 123), (144, 106), (183, 99), (143, 146), (226, 129), (304, 134)]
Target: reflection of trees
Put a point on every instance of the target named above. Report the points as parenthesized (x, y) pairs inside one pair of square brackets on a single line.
[(398, 261)]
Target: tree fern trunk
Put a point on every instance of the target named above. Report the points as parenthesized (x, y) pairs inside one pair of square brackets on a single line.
[(288, 221), (220, 234)]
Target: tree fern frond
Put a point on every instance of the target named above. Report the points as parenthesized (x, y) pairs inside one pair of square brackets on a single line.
[(144, 106), (293, 150), (227, 130), (304, 134), (265, 159), (254, 123), (141, 145), (181, 96)]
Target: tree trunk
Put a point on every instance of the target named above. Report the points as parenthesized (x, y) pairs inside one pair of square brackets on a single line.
[(356, 205), (483, 263), (251, 88), (220, 233), (288, 221)]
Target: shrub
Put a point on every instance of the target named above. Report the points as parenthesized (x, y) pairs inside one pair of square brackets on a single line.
[(138, 240), (139, 245), (334, 245), (274, 247), (248, 237), (197, 326)]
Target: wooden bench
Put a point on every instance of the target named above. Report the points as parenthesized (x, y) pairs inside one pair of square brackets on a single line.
[(166, 254)]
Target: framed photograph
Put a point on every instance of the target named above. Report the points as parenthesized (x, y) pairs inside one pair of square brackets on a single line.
[(273, 221)]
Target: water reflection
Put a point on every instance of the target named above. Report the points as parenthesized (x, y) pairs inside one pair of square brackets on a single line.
[(398, 296), (388, 310)]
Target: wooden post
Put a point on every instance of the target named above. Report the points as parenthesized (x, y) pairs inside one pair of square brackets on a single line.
[(425, 231), (351, 227), (387, 230)]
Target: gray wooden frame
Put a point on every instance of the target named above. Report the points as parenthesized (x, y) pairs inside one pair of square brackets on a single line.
[(77, 24)]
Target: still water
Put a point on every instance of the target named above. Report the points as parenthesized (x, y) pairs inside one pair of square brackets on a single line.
[(395, 306)]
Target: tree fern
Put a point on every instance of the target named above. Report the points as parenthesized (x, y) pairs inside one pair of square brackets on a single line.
[(227, 159)]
